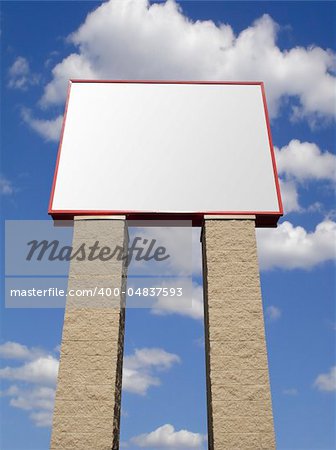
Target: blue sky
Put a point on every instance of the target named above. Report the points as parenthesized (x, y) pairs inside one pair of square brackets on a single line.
[(291, 49)]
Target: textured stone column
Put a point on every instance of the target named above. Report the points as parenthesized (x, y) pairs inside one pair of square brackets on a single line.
[(88, 396), (238, 391)]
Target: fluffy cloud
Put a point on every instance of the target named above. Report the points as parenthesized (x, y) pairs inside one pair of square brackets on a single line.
[(39, 402), (326, 381), (48, 129), (41, 370), (290, 196), (286, 247), (74, 66), (138, 382), (182, 244), (189, 305), (305, 161), (151, 357), (6, 187), (291, 247), (14, 350), (299, 162), (166, 437), (20, 76), (273, 313), (35, 380), (135, 40), (139, 368), (42, 418)]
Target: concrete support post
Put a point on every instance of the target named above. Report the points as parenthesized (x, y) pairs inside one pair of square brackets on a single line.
[(88, 396), (238, 391)]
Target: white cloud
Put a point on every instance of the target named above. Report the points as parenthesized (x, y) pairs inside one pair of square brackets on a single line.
[(190, 304), (6, 187), (326, 381), (135, 40), (19, 67), (41, 370), (184, 248), (49, 129), (20, 76), (138, 382), (139, 369), (291, 247), (14, 350), (290, 196), (41, 398), (291, 392), (297, 163), (35, 381), (182, 244), (42, 418), (316, 207), (149, 357), (166, 437), (74, 66), (57, 349), (305, 161), (273, 313), (38, 401)]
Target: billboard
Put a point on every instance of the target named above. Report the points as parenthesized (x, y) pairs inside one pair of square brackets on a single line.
[(166, 149)]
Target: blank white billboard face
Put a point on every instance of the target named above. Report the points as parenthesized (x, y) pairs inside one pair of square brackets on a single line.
[(151, 147)]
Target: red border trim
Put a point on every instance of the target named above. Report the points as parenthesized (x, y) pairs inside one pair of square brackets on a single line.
[(275, 171), (263, 218), (167, 82), (50, 210)]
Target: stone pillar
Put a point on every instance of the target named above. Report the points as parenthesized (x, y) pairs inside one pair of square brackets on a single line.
[(88, 396), (238, 390)]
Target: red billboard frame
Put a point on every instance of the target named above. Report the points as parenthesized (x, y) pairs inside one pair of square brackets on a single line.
[(263, 218)]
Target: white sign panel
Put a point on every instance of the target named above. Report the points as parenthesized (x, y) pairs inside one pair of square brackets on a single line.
[(166, 148)]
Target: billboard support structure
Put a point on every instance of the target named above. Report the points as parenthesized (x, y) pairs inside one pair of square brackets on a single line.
[(238, 391), (88, 397), (212, 162)]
